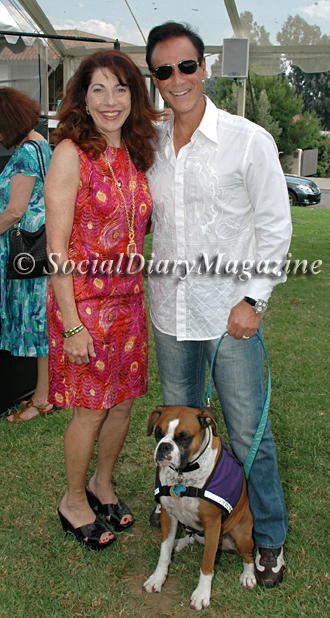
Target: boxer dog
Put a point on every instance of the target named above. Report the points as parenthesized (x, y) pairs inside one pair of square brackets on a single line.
[(202, 485)]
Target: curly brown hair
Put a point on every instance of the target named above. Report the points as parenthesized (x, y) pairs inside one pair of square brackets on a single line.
[(19, 114), (138, 131)]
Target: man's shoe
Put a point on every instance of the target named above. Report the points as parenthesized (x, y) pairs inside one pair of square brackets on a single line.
[(154, 518), (269, 566)]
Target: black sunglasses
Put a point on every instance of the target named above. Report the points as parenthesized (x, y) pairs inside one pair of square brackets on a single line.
[(185, 66)]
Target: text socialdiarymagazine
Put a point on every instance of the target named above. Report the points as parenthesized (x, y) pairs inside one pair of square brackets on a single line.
[(243, 269)]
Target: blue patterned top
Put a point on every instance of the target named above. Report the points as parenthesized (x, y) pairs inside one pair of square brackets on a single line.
[(23, 303)]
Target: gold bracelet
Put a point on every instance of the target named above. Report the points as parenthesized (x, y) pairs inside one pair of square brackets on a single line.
[(73, 331)]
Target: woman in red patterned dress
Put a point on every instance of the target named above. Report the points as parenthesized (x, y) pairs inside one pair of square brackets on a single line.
[(97, 209)]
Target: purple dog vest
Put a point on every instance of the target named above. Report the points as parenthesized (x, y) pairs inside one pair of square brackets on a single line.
[(223, 487)]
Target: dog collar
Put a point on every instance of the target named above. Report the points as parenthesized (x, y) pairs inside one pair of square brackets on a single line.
[(193, 465), (190, 467)]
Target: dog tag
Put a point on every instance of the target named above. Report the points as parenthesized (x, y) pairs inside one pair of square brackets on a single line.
[(176, 490)]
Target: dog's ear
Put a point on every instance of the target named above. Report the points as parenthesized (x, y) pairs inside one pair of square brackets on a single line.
[(153, 418), (207, 417)]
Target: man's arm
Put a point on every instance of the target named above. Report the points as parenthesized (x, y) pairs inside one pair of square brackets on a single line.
[(266, 187)]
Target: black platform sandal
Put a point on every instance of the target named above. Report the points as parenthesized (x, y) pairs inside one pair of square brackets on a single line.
[(92, 532), (116, 512)]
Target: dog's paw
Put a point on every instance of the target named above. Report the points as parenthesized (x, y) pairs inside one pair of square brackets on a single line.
[(154, 582), (181, 543), (248, 578), (200, 598)]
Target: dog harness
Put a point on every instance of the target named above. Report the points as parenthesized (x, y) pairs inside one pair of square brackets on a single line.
[(223, 487)]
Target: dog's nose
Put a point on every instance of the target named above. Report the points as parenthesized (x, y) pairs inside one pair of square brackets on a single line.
[(164, 449)]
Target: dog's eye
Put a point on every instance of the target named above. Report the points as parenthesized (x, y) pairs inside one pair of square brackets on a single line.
[(158, 434), (183, 438)]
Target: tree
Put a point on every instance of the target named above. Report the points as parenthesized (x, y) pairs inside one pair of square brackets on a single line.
[(315, 91), (287, 105), (284, 106), (217, 88), (313, 87), (279, 110), (224, 93), (296, 31), (265, 119), (257, 34)]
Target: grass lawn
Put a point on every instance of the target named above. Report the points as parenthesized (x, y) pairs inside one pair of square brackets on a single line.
[(44, 574)]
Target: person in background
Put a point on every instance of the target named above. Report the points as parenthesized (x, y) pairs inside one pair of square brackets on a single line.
[(97, 209), (23, 302), (219, 198)]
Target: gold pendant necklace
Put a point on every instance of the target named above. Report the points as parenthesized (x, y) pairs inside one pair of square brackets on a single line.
[(131, 247)]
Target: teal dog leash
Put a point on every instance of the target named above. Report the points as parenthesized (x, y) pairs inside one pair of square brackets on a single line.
[(263, 419)]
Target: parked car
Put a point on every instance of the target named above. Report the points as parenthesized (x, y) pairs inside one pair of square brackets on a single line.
[(302, 191)]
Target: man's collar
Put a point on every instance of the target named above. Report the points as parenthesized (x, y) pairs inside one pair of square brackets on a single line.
[(208, 125)]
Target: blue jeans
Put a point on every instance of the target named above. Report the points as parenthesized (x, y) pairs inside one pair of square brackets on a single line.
[(239, 382)]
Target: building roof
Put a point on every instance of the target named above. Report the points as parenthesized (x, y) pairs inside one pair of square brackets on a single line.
[(7, 54)]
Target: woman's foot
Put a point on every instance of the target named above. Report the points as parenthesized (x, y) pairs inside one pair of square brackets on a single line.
[(82, 516), (108, 499), (30, 410), (88, 535)]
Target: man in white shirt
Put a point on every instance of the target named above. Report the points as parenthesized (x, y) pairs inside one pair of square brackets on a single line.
[(222, 229)]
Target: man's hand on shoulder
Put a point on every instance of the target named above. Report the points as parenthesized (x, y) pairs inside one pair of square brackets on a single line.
[(243, 320)]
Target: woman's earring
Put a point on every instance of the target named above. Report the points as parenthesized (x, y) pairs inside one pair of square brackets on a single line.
[(87, 111)]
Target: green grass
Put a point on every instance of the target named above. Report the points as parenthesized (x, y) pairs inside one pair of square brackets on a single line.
[(45, 575)]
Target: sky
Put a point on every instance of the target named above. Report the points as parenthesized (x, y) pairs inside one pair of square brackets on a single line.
[(112, 18)]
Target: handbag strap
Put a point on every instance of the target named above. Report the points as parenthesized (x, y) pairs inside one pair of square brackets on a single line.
[(40, 156), (41, 163)]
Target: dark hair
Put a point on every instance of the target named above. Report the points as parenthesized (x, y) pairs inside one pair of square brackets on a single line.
[(138, 131), (167, 31), (19, 114)]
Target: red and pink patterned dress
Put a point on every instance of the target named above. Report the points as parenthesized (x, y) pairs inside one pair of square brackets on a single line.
[(110, 305)]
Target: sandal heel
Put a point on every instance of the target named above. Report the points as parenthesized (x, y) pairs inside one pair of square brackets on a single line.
[(93, 502), (65, 523)]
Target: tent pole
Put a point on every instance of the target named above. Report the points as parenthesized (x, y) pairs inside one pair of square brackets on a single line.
[(45, 80), (241, 97), (66, 72)]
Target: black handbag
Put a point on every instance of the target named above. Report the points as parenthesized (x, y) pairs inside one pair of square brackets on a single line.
[(28, 250)]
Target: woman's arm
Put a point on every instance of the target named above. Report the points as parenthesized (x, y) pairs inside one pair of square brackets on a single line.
[(21, 188), (60, 190)]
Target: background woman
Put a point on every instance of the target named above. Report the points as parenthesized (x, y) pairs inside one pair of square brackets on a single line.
[(98, 206), (23, 302)]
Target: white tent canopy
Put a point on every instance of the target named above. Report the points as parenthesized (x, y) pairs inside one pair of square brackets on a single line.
[(215, 20), (263, 58)]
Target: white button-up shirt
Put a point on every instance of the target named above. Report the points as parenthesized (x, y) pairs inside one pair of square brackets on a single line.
[(220, 213)]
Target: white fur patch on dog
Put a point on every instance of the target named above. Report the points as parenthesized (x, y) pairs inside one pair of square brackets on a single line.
[(200, 598), (155, 581), (248, 578), (186, 509), (175, 455), (183, 542)]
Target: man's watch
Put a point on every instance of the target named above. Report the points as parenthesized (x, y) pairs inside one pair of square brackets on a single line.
[(259, 305)]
